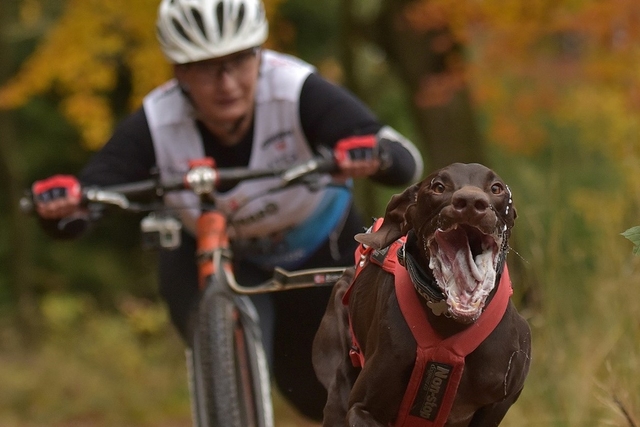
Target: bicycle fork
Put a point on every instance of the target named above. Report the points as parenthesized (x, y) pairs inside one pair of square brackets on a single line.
[(246, 349)]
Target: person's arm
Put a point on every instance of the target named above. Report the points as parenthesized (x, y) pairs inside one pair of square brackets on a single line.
[(330, 113), (128, 156)]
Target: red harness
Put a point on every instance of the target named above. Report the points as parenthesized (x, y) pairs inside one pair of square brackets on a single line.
[(439, 362)]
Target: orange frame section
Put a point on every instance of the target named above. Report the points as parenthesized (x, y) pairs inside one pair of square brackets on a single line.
[(212, 234)]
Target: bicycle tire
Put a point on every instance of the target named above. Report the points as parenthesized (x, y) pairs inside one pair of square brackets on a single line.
[(229, 372)]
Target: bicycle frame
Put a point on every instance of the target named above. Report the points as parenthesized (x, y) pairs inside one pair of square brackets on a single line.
[(217, 282), (251, 380), (227, 364), (212, 243)]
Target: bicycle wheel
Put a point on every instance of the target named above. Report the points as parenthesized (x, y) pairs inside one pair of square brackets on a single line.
[(228, 373)]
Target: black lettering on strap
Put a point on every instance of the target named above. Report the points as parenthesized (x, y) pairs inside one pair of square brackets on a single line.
[(431, 393)]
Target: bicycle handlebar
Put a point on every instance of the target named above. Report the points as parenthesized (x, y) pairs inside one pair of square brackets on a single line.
[(201, 180)]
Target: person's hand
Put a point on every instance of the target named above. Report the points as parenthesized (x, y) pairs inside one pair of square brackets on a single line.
[(357, 156), (57, 196)]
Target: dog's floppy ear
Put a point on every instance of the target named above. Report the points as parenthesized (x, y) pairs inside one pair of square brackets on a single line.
[(395, 223)]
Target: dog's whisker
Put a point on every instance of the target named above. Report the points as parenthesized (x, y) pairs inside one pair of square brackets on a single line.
[(518, 254)]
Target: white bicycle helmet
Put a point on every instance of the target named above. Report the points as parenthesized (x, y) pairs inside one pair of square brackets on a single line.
[(195, 30)]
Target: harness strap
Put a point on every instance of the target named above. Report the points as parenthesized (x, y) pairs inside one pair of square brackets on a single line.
[(363, 255), (440, 362)]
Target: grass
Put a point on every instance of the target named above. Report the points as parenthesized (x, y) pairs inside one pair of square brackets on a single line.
[(93, 368), (100, 369)]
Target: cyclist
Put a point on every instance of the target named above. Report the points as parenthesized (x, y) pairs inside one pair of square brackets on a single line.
[(243, 105)]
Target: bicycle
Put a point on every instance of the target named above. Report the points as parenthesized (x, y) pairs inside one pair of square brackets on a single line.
[(227, 366)]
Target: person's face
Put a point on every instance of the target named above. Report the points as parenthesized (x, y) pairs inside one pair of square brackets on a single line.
[(222, 89)]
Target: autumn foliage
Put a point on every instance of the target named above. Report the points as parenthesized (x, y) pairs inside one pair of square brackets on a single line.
[(81, 56), (553, 55)]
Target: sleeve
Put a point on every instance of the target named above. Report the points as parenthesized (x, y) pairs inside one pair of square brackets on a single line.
[(329, 113), (128, 156)]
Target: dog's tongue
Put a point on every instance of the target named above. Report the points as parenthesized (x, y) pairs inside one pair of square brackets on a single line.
[(455, 251), (465, 281)]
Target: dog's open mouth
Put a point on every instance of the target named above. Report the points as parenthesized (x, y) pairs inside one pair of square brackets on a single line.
[(463, 261)]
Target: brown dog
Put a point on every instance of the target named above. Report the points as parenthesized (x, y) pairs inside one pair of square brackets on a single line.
[(456, 224)]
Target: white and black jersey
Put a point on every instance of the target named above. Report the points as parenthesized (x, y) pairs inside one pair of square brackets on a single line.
[(296, 111)]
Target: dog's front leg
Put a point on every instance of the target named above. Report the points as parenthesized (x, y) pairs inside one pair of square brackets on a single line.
[(377, 392), (330, 355), (335, 410)]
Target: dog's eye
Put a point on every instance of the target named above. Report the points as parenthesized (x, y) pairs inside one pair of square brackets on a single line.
[(437, 187), (497, 189)]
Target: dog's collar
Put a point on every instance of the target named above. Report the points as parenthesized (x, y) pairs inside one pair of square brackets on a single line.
[(424, 283)]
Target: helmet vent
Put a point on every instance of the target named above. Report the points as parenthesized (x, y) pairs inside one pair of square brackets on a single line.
[(198, 18), (220, 16), (180, 29), (240, 19)]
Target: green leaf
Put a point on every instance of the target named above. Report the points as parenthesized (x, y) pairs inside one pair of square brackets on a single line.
[(633, 234)]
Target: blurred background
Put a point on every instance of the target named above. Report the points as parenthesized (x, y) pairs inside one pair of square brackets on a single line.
[(547, 93)]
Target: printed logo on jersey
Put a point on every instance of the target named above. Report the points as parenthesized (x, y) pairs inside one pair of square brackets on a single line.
[(233, 205), (269, 209), (278, 140)]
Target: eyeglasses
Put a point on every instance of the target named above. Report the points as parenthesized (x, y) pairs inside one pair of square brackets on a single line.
[(235, 65)]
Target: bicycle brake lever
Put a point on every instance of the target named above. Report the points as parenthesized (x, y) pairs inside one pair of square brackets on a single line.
[(322, 164), (107, 197), (299, 171)]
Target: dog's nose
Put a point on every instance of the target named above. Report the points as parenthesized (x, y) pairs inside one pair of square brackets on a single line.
[(470, 202)]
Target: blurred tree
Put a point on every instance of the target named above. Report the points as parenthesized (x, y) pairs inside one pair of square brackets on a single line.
[(364, 45), (418, 40), (542, 71), (18, 281), (534, 60), (388, 46), (509, 66)]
